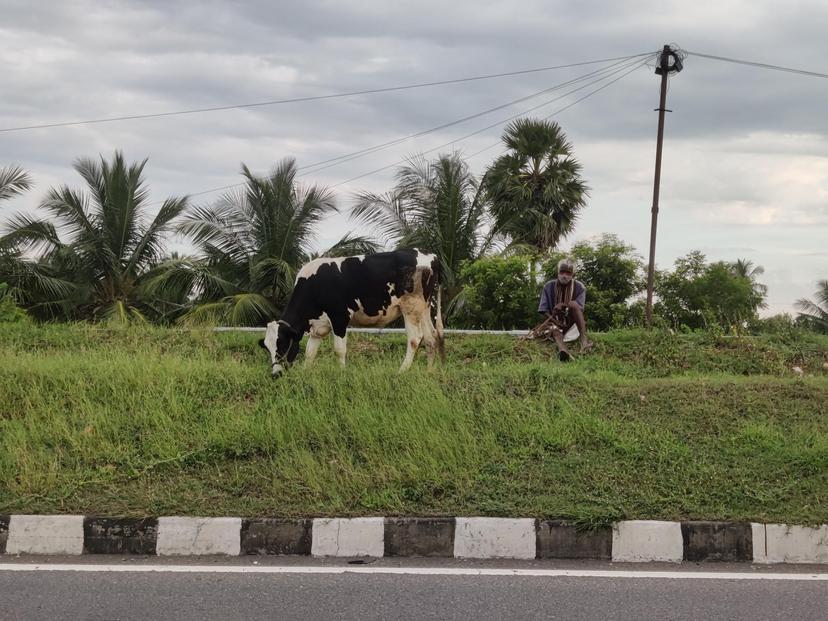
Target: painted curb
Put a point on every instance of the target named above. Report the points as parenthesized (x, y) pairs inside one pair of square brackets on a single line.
[(559, 539), (461, 537), (420, 537), (185, 536), (120, 535), (717, 541), (45, 534), (638, 541), (4, 532), (348, 537), (266, 536), (481, 537), (780, 543)]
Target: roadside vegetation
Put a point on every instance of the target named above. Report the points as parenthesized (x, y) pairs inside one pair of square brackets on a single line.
[(156, 421)]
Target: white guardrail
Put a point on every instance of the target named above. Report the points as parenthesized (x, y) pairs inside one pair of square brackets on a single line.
[(389, 331)]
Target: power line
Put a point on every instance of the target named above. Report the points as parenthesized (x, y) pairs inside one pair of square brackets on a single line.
[(750, 63), (351, 156), (549, 116), (608, 71), (442, 146), (274, 102)]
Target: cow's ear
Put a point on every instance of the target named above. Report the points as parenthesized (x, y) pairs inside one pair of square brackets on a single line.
[(262, 344)]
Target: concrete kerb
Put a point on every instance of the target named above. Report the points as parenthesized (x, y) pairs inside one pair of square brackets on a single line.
[(4, 532), (717, 541), (639, 541), (419, 537), (560, 539), (103, 535), (184, 536), (273, 536), (348, 537), (45, 534), (484, 537), (780, 543), (462, 537)]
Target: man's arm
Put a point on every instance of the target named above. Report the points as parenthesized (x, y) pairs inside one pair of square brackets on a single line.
[(545, 305), (580, 298)]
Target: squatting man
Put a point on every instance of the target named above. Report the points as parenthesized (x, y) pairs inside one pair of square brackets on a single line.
[(562, 302)]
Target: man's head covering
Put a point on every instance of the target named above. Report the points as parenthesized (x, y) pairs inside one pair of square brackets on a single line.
[(566, 265)]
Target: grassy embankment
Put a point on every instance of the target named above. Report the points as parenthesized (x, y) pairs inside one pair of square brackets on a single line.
[(162, 422)]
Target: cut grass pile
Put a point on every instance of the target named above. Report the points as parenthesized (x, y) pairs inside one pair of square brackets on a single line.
[(164, 422)]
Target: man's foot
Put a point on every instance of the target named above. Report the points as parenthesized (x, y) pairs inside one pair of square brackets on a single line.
[(564, 356), (586, 346)]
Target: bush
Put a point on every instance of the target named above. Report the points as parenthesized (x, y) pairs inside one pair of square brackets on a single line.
[(701, 295), (500, 294), (781, 324), (9, 311)]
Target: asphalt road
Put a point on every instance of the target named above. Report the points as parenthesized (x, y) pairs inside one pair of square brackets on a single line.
[(178, 593)]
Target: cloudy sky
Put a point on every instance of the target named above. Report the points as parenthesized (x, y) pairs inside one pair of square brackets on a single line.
[(745, 171)]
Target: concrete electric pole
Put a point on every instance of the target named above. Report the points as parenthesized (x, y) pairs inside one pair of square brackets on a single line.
[(664, 69)]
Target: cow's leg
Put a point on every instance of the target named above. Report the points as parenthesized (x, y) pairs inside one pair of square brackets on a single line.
[(312, 348), (341, 348), (339, 325), (429, 336), (414, 334)]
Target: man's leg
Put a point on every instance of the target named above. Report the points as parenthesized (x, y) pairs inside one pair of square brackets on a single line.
[(563, 352), (578, 316)]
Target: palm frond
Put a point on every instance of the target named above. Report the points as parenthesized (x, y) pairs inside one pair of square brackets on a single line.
[(70, 209), (350, 244), (250, 309), (21, 230), (33, 281), (246, 309), (387, 214), (209, 314), (815, 312), (185, 278), (150, 246), (13, 181), (120, 313), (272, 272)]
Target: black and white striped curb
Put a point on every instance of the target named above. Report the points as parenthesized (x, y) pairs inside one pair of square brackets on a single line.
[(462, 537)]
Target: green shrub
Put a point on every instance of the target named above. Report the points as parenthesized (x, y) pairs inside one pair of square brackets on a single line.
[(500, 294), (9, 311)]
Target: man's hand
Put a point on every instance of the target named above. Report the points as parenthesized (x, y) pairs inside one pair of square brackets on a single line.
[(560, 306)]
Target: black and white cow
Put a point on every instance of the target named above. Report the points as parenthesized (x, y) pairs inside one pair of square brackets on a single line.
[(332, 293)]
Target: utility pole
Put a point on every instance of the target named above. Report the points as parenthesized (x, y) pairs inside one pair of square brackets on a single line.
[(664, 69)]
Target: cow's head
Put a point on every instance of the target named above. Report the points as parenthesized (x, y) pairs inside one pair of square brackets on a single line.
[(282, 343)]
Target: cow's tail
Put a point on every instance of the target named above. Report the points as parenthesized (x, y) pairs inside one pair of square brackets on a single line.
[(438, 322)]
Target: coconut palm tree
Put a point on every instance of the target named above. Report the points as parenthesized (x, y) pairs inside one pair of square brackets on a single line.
[(97, 245), (745, 268), (815, 313), (535, 189), (251, 243), (26, 281), (436, 206)]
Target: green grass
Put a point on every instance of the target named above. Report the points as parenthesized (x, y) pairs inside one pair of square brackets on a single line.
[(165, 422)]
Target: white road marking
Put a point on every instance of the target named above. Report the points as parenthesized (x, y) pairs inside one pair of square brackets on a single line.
[(418, 571)]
